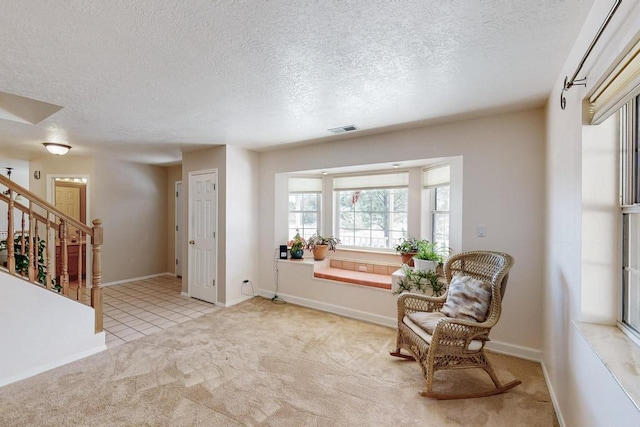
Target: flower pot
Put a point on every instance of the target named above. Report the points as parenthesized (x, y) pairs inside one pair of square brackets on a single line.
[(297, 253), (425, 265), (320, 252), (407, 258)]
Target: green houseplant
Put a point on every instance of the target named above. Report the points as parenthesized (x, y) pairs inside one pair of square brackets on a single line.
[(22, 258), (319, 245), (421, 281), (429, 255), (407, 248), (296, 246)]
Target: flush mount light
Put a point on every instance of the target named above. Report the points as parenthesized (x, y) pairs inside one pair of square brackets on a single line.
[(55, 148)]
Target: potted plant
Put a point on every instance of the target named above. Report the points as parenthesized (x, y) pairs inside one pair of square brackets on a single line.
[(296, 246), (429, 256), (420, 281), (407, 248), (319, 245)]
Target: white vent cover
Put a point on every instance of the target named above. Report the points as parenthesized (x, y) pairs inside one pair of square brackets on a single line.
[(343, 129)]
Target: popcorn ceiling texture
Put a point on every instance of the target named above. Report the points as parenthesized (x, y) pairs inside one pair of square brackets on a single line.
[(154, 76)]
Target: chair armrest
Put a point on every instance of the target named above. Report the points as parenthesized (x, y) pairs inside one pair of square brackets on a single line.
[(459, 333), (411, 303)]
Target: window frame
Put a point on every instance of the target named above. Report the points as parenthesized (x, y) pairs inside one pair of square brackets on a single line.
[(629, 205)]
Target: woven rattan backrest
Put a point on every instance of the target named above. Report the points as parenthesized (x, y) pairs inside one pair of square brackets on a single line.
[(488, 266)]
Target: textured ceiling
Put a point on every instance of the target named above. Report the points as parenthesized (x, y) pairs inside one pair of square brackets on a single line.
[(148, 79)]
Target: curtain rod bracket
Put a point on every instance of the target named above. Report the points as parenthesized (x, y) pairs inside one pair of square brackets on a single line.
[(574, 81)]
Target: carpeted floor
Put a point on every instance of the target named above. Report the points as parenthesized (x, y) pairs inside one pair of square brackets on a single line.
[(260, 363)]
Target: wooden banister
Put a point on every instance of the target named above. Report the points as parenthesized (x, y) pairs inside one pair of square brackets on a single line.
[(39, 270)]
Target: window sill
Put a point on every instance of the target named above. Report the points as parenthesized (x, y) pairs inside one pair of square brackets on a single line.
[(619, 353)]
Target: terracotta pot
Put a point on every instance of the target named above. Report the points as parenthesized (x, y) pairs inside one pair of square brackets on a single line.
[(320, 252), (408, 258)]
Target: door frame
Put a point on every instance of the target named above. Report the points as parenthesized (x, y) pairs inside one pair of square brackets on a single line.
[(178, 225), (51, 191), (190, 175)]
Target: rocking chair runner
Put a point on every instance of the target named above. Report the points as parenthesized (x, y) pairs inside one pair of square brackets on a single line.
[(443, 342)]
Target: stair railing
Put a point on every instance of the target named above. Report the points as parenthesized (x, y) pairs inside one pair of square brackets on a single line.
[(39, 221)]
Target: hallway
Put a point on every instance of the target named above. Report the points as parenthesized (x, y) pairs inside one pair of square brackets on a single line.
[(135, 309)]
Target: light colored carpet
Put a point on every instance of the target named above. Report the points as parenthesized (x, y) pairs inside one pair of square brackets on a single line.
[(260, 363)]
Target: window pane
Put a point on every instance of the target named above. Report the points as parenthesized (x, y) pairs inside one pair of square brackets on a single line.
[(442, 198), (304, 214), (373, 218)]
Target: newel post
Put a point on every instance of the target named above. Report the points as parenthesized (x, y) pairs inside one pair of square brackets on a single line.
[(96, 284)]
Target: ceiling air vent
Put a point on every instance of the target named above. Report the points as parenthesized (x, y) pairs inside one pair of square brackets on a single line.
[(343, 129)]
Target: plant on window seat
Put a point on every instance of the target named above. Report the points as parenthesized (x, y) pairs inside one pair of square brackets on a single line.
[(430, 255), (296, 246), (407, 248), (319, 245)]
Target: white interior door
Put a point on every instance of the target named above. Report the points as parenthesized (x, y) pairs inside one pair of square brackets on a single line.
[(202, 235)]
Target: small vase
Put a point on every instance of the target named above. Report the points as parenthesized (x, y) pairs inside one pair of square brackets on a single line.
[(297, 253)]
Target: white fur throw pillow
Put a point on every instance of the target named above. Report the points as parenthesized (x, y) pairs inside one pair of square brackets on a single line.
[(467, 299)]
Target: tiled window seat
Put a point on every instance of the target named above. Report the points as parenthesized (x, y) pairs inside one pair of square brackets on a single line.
[(357, 272)]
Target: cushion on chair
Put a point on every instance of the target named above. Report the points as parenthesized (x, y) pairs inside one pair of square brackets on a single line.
[(426, 320), (474, 345), (467, 299)]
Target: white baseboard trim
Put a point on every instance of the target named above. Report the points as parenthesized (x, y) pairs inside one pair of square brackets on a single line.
[(185, 294), (134, 279), (48, 366), (494, 346), (515, 350), (554, 398), (335, 309), (235, 301)]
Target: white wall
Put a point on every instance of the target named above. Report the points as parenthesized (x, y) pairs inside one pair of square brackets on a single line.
[(584, 391), (503, 187), (53, 330), (242, 213)]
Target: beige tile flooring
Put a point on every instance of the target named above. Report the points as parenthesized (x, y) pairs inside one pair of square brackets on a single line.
[(136, 309)]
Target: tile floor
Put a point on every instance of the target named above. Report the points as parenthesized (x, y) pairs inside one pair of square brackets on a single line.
[(135, 309)]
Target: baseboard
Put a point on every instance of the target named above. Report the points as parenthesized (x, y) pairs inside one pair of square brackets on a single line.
[(515, 351), (185, 294), (48, 366), (335, 309), (494, 346), (134, 279), (235, 301), (554, 398)]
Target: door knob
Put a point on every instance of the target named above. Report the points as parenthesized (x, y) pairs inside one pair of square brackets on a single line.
[(192, 242)]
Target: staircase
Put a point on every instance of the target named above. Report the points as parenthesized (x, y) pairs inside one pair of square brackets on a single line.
[(36, 246)]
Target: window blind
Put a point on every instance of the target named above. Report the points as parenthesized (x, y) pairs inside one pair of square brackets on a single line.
[(622, 84), (305, 184), (382, 180), (436, 176)]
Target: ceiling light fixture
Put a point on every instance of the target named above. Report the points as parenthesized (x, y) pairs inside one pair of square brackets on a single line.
[(396, 165), (57, 149)]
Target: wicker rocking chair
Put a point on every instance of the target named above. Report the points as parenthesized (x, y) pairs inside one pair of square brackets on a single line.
[(455, 343)]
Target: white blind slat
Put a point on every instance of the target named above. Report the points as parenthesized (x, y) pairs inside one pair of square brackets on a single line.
[(437, 176), (305, 185), (383, 180)]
